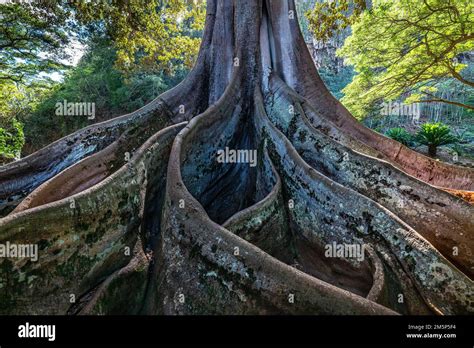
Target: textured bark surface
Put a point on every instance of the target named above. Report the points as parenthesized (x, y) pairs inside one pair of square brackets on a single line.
[(136, 216)]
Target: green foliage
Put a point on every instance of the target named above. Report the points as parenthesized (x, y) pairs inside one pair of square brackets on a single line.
[(10, 97), (150, 36), (136, 50), (408, 47), (434, 135), (95, 80), (32, 40), (11, 141), (16, 100), (302, 7), (329, 18), (336, 80), (400, 135)]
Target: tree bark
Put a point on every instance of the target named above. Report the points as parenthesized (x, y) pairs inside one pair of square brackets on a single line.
[(136, 216), (432, 149)]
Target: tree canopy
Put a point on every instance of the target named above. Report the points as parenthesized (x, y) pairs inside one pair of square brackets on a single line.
[(149, 35), (32, 40), (133, 51), (408, 47), (329, 18)]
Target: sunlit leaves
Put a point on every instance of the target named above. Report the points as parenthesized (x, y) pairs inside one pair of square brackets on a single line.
[(11, 140), (435, 134), (328, 18), (150, 35), (32, 40), (398, 47)]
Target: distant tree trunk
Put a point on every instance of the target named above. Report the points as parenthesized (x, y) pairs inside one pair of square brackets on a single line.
[(137, 215), (432, 149)]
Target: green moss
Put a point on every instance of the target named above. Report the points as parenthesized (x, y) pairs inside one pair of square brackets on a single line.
[(76, 266), (302, 136), (43, 244), (293, 126), (195, 251)]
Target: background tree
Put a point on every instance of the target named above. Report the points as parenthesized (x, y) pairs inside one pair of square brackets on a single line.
[(95, 79), (151, 35), (323, 46), (11, 141), (33, 36), (133, 52), (434, 135), (408, 47), (329, 18)]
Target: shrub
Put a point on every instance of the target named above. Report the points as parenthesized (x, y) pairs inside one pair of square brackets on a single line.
[(11, 141), (400, 135), (434, 135)]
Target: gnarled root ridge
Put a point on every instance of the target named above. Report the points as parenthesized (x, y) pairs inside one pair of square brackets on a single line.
[(263, 203)]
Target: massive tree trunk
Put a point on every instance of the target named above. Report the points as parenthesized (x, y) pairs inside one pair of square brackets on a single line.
[(136, 215)]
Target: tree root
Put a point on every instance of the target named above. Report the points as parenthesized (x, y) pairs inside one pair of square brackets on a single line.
[(83, 238)]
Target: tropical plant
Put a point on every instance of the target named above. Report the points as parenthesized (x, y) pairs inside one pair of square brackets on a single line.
[(434, 135), (401, 135), (11, 141)]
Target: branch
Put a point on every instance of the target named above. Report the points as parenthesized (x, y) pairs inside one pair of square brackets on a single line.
[(440, 100), (458, 76)]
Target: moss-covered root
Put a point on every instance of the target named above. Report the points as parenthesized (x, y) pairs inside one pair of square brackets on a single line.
[(444, 220), (81, 239), (207, 269), (328, 211), (123, 292)]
